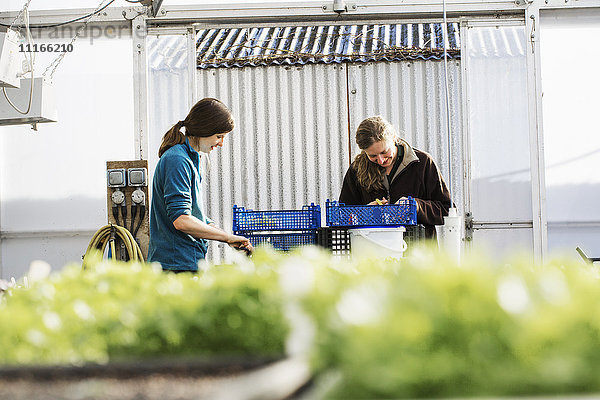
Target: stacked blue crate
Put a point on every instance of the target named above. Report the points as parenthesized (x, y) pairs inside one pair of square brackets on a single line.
[(341, 217), (358, 216), (282, 229)]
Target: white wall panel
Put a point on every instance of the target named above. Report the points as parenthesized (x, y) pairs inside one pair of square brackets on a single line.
[(501, 192), (57, 250)]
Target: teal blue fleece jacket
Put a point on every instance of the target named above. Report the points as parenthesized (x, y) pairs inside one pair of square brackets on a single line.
[(176, 191)]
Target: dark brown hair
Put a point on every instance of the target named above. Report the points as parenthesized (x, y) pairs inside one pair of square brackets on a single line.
[(206, 118), (373, 129)]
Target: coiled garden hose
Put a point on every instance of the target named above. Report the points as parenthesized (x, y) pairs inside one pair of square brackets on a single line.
[(107, 235)]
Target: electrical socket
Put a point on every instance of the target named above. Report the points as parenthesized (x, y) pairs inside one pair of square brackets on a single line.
[(116, 178), (136, 176)]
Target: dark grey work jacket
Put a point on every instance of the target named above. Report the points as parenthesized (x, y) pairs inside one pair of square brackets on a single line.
[(417, 176)]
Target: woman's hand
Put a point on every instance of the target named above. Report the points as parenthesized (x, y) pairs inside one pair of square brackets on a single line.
[(193, 226), (240, 243), (378, 202), (403, 199)]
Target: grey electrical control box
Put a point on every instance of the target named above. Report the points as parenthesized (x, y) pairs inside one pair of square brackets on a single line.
[(116, 177), (137, 176)]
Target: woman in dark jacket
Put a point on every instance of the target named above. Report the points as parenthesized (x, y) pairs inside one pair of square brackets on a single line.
[(389, 169)]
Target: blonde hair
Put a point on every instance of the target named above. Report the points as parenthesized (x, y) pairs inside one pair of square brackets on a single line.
[(371, 130)]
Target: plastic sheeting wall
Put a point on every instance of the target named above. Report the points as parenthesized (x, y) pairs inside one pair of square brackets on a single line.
[(571, 101), (500, 173), (53, 182), (291, 144), (169, 84)]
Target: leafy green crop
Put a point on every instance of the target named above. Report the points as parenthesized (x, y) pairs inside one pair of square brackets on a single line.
[(424, 327), (128, 311), (421, 327)]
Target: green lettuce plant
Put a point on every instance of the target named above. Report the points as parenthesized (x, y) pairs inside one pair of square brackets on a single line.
[(115, 311), (421, 327), (426, 327)]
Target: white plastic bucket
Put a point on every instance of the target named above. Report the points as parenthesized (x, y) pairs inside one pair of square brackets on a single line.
[(383, 242)]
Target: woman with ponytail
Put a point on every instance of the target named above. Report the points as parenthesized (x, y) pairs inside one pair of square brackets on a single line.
[(179, 227), (389, 169)]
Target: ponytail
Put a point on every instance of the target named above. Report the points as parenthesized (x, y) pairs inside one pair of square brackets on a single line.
[(171, 138)]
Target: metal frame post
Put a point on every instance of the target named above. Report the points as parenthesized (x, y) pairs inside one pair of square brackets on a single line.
[(536, 133), (193, 76), (140, 86), (464, 48)]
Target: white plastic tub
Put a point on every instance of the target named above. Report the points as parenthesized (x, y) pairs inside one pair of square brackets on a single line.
[(382, 242)]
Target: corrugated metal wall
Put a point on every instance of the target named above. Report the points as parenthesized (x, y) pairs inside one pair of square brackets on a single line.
[(300, 45), (290, 146)]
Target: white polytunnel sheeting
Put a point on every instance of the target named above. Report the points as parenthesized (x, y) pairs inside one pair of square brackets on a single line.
[(500, 154), (571, 101), (53, 181), (169, 81)]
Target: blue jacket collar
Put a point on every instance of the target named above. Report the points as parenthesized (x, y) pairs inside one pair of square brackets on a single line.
[(194, 155)]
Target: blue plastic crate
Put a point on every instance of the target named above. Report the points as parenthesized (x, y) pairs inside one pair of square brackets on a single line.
[(282, 241), (403, 213), (276, 220)]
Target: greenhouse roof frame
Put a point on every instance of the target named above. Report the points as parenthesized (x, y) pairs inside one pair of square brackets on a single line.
[(299, 11)]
